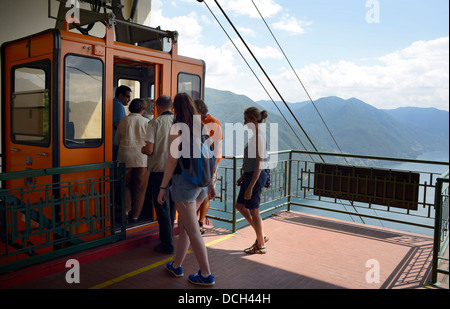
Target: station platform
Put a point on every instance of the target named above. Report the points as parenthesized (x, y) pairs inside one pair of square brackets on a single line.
[(303, 252)]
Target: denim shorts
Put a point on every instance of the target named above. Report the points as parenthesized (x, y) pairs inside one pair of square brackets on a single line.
[(185, 191)]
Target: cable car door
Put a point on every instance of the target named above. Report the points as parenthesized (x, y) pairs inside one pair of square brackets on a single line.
[(82, 111), (27, 123), (82, 137)]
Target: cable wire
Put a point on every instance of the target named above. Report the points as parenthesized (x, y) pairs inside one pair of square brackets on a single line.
[(298, 78), (275, 88), (267, 76), (256, 76)]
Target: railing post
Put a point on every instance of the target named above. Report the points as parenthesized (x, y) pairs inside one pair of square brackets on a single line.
[(234, 194), (289, 176), (440, 227), (121, 173), (437, 228)]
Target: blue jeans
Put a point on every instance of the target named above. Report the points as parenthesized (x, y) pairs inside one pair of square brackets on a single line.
[(165, 213)]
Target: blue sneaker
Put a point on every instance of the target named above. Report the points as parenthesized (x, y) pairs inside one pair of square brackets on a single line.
[(177, 272), (200, 280)]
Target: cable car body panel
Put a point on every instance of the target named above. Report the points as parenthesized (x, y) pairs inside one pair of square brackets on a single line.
[(58, 89)]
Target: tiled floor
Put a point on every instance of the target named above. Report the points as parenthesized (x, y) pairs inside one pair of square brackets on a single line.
[(304, 252)]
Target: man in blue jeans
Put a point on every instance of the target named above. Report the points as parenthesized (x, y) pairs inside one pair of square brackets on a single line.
[(157, 149)]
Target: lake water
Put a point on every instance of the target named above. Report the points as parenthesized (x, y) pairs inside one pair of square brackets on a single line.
[(442, 156)]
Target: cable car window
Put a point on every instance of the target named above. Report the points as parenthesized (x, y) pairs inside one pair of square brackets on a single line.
[(83, 102), (190, 84), (30, 118)]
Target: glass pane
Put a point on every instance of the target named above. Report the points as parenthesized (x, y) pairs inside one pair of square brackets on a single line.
[(83, 102), (189, 84), (30, 107)]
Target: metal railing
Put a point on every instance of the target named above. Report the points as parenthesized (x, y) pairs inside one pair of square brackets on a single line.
[(441, 227), (74, 212), (293, 187), (61, 220)]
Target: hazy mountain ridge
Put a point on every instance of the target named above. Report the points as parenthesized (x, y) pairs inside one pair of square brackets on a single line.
[(357, 127)]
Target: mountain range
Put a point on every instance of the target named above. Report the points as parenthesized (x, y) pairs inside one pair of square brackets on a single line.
[(351, 126)]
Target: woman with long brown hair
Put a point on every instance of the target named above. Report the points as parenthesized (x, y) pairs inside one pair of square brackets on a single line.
[(186, 195)]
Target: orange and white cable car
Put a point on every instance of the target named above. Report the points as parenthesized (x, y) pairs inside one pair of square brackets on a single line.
[(58, 88)]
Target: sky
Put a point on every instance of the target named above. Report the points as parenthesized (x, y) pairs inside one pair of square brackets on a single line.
[(387, 53)]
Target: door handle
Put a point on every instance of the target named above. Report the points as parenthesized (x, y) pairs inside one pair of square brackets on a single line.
[(44, 154), (14, 149)]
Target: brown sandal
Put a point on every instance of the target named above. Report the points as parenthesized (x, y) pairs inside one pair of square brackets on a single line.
[(256, 250), (266, 239), (255, 245)]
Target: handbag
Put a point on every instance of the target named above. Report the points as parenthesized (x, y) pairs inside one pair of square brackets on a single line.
[(268, 183)]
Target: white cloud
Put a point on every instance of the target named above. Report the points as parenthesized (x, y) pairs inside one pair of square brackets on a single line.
[(187, 26), (206, 20), (266, 52), (268, 8), (415, 76), (224, 65), (292, 25), (247, 32)]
